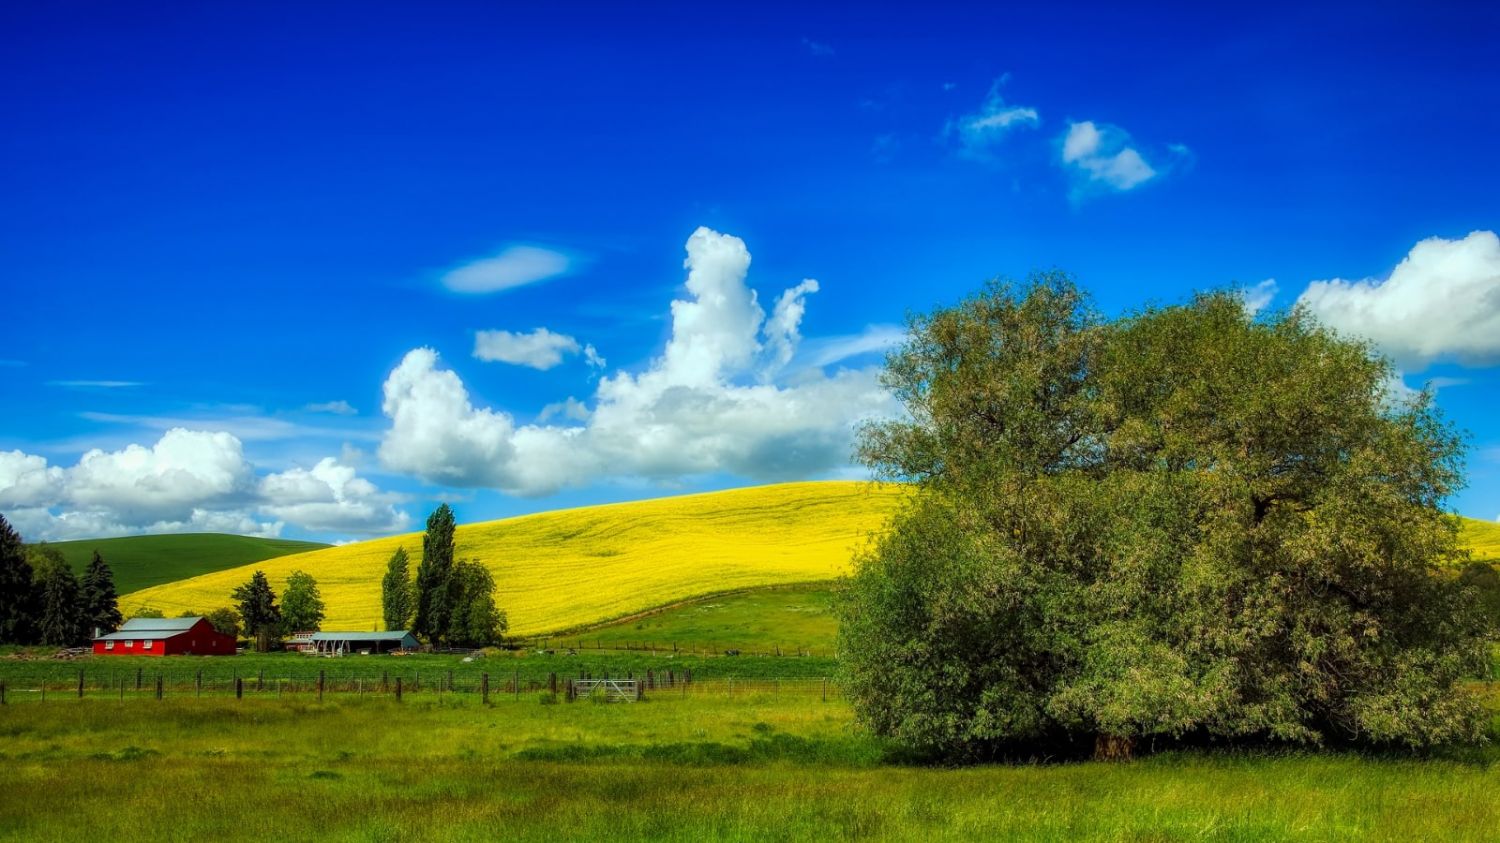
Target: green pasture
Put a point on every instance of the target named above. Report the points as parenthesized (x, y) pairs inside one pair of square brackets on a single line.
[(143, 561), (669, 768), (791, 618)]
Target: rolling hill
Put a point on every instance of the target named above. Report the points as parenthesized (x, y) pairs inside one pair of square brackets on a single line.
[(570, 568), (1482, 537), (143, 561)]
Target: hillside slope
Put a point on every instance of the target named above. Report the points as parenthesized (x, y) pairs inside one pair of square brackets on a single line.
[(564, 569), (143, 561), (1482, 537)]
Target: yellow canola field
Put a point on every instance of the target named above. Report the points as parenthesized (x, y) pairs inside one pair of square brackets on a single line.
[(569, 568), (1482, 538)]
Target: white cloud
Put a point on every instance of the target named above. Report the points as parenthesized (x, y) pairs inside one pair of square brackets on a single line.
[(96, 384), (570, 408), (540, 349), (1100, 154), (1259, 297), (337, 408), (979, 132), (875, 339), (330, 497), (1441, 302), (515, 266), (188, 481), (697, 409), (593, 358)]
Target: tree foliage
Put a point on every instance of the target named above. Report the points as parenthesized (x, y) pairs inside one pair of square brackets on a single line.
[(396, 592), (60, 620), (101, 606), (301, 603), (224, 620), (435, 577), (17, 590), (1182, 522), (257, 606), (476, 621)]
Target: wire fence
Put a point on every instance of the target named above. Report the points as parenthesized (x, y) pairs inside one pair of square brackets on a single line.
[(483, 688)]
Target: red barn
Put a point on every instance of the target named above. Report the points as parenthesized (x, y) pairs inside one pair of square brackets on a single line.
[(165, 637)]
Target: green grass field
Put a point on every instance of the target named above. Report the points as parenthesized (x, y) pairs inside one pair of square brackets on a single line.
[(669, 768), (1482, 538), (143, 561), (792, 618)]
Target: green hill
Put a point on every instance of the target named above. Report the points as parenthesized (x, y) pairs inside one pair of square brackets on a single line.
[(143, 561), (1482, 538)]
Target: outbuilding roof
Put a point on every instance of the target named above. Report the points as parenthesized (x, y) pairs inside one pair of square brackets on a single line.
[(390, 635), (152, 629)]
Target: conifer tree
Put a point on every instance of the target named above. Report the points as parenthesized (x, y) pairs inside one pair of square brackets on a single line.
[(60, 621), (257, 604), (17, 590), (101, 606), (435, 577)]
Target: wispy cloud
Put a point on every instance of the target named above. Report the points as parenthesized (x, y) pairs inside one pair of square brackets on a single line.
[(515, 266), (875, 339), (978, 134), (337, 408), (246, 427), (540, 349), (817, 48), (1260, 296), (89, 384)]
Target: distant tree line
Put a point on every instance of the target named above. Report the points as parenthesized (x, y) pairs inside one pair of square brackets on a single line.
[(43, 602)]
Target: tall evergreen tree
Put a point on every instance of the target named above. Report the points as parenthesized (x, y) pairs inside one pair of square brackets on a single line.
[(396, 591), (101, 606), (435, 577), (60, 621), (257, 604), (301, 603), (17, 591)]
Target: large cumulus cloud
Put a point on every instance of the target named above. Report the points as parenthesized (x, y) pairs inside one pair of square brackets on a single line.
[(718, 399)]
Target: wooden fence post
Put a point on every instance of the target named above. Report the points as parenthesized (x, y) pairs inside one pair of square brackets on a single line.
[(385, 681), (80, 683), (239, 688), (825, 689), (552, 683), (320, 685), (516, 681), (137, 680), (450, 681), (260, 680), (158, 686), (484, 688), (398, 689), (2, 692)]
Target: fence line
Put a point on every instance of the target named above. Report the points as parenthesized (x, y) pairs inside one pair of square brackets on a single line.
[(486, 688)]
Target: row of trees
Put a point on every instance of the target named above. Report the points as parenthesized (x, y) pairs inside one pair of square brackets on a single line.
[(43, 602), (452, 601)]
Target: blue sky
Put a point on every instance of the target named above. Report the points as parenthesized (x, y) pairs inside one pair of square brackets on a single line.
[(268, 260)]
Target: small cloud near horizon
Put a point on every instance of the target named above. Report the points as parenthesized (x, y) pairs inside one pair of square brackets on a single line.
[(513, 266)]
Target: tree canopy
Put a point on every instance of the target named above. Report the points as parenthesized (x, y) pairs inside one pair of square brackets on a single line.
[(17, 591), (396, 597), (435, 577), (257, 606), (101, 606), (1185, 521), (301, 603)]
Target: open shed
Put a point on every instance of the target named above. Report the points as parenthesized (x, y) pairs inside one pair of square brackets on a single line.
[(340, 643)]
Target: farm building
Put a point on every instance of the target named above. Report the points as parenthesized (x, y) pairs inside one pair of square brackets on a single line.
[(165, 637), (339, 643)]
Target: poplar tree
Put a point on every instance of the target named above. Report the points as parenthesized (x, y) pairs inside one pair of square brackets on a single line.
[(396, 591), (435, 577)]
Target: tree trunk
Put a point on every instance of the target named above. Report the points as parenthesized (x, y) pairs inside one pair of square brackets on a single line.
[(1113, 748)]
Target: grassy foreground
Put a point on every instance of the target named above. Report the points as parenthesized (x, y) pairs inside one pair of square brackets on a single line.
[(575, 568), (695, 768), (139, 562)]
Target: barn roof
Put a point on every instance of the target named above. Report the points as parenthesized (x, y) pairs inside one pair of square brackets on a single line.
[(141, 629), (390, 635)]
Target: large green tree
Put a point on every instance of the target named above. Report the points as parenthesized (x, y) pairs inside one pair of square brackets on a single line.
[(301, 603), (60, 619), (257, 605), (435, 577), (1182, 522), (101, 606), (396, 598), (476, 620), (17, 590)]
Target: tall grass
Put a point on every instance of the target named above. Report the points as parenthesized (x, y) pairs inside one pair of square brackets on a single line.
[(757, 768)]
